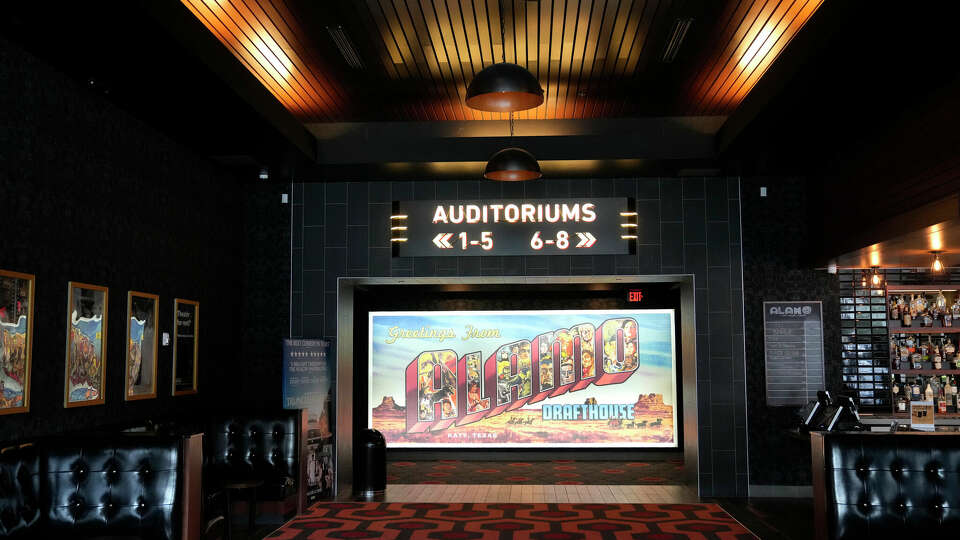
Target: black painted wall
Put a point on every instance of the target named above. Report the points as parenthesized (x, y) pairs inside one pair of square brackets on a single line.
[(90, 194), (778, 246), (689, 225)]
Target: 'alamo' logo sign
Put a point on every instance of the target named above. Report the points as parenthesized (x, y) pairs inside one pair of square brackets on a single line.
[(798, 311)]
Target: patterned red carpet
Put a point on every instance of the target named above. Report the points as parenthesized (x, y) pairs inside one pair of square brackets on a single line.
[(557, 472), (514, 520)]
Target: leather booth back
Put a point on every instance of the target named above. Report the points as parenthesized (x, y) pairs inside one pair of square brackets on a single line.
[(19, 491), (262, 445), (70, 487), (878, 485)]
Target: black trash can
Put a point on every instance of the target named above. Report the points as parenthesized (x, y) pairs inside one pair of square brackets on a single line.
[(372, 466)]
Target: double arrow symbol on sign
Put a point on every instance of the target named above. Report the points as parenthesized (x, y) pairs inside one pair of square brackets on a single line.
[(442, 240), (586, 240)]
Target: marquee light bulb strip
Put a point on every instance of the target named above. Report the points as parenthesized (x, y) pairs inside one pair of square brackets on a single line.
[(629, 224), (398, 224)]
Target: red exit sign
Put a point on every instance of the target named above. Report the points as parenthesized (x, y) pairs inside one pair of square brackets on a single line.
[(634, 295)]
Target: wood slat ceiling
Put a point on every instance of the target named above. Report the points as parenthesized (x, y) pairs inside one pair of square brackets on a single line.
[(571, 46), (587, 54), (267, 39), (749, 36)]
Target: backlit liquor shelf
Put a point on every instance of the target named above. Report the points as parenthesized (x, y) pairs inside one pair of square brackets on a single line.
[(866, 328), (924, 360)]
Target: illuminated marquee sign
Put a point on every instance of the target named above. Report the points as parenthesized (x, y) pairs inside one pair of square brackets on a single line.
[(589, 226)]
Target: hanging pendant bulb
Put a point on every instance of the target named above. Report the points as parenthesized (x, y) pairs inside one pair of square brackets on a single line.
[(504, 87), (937, 265), (512, 165), (875, 279)]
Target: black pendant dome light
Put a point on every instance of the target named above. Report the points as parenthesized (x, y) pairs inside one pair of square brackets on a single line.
[(506, 87), (512, 165)]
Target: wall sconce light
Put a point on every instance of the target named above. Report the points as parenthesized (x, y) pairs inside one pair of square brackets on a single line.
[(875, 279)]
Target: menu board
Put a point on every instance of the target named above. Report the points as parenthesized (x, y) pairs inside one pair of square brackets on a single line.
[(185, 343), (793, 350)]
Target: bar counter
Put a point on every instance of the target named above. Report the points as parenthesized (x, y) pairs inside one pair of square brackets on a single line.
[(885, 484)]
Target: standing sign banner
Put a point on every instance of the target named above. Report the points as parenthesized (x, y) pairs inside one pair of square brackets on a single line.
[(308, 384)]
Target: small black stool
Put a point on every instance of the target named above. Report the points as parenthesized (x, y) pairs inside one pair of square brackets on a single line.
[(250, 484)]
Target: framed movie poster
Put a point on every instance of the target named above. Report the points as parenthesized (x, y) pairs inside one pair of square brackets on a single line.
[(86, 339), (16, 341), (186, 325), (140, 374)]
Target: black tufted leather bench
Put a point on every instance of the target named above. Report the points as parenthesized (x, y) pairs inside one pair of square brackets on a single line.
[(883, 485), (262, 445), (109, 486), (19, 491)]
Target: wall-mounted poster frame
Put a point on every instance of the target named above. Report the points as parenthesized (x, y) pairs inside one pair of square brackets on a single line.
[(140, 371), (86, 355), (186, 341), (16, 340)]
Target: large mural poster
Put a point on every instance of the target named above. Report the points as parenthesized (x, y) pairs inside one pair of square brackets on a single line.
[(524, 378)]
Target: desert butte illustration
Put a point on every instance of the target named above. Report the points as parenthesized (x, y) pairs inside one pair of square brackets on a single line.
[(652, 423)]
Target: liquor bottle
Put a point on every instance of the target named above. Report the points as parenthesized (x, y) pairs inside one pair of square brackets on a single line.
[(904, 355), (948, 392), (956, 396), (915, 390), (949, 350), (894, 309), (936, 358), (942, 398), (916, 358), (955, 308), (907, 316), (894, 387), (928, 392)]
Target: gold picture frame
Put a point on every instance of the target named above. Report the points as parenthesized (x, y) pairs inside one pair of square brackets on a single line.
[(140, 366), (16, 341), (85, 368), (186, 337)]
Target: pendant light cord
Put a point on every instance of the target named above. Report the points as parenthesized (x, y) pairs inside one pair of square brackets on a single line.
[(503, 40), (503, 56)]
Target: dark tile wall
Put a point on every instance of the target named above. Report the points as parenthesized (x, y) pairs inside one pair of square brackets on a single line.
[(91, 194), (776, 240), (688, 225)]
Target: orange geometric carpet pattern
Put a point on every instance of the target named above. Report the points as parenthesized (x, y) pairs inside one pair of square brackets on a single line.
[(502, 521)]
